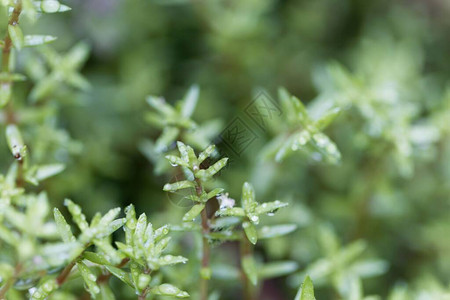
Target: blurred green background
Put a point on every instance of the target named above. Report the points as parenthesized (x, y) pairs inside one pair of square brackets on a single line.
[(386, 63)]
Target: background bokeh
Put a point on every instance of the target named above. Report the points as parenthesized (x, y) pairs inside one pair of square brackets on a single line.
[(386, 63)]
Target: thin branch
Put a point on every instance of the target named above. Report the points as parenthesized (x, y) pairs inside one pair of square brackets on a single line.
[(206, 248), (10, 281), (246, 250), (62, 277)]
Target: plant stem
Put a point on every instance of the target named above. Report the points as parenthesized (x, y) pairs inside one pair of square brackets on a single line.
[(10, 281), (7, 85), (206, 248), (13, 21), (62, 277), (246, 250), (205, 256)]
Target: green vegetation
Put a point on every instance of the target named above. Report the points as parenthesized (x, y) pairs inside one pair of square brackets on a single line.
[(246, 191)]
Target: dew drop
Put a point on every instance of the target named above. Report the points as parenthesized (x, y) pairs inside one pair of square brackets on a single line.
[(254, 219)]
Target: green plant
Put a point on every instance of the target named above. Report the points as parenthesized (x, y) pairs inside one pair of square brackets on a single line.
[(362, 160)]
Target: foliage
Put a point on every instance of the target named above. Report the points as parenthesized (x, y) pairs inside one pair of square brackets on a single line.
[(359, 165)]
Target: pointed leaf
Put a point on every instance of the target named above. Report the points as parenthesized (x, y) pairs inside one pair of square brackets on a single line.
[(269, 207), (206, 153), (122, 275), (15, 141), (78, 217), (89, 278), (267, 232), (190, 101), (193, 212), (250, 232), (169, 290), (51, 6), (211, 171), (277, 269), (171, 260), (36, 40), (46, 171), (327, 118), (45, 289), (248, 196), (172, 187), (16, 36), (63, 228), (306, 291), (231, 212)]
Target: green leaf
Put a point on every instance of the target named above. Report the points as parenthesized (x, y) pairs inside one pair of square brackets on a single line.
[(250, 232), (249, 267), (213, 193), (225, 222), (5, 94), (46, 171), (168, 136), (211, 171), (106, 293), (139, 236), (327, 118), (44, 289), (171, 260), (267, 232), (36, 40), (16, 35), (89, 278), (300, 110), (169, 290), (122, 275), (78, 217), (287, 105), (187, 154), (226, 272), (29, 10), (12, 77), (351, 252), (193, 212), (8, 236), (326, 147), (231, 212), (15, 141), (225, 235), (63, 228), (51, 6), (172, 187), (306, 291), (269, 207), (161, 232), (190, 101), (160, 105), (248, 197), (160, 246), (277, 269), (143, 281), (176, 161), (206, 153), (356, 290), (109, 217), (95, 258)]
